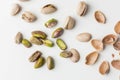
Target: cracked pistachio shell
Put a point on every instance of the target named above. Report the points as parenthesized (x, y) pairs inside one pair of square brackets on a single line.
[(39, 63), (116, 45), (51, 23), (28, 17), (117, 27), (26, 43), (84, 37), (50, 63), (39, 34), (61, 44), (18, 38), (66, 54), (110, 39), (49, 8), (34, 57), (92, 58), (57, 33), (104, 68), (48, 43), (75, 55), (16, 8), (100, 17), (82, 8), (116, 64), (97, 44), (36, 41), (69, 23)]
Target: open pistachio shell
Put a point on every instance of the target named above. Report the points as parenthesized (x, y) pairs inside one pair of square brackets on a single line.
[(104, 68), (36, 41), (117, 27), (100, 17), (116, 64), (97, 44), (92, 58)]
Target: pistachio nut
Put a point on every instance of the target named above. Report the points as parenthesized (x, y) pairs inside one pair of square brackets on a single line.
[(97, 44), (36, 41), (26, 43), (82, 8), (39, 34), (18, 38), (75, 55), (92, 58), (116, 64), (110, 39), (16, 8), (49, 8), (100, 17), (117, 27), (50, 63), (39, 63), (48, 43), (84, 37), (28, 17), (51, 23), (104, 68), (66, 54), (57, 33), (116, 45), (61, 44), (34, 57), (70, 23)]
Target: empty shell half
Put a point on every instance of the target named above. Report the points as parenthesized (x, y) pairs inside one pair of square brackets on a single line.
[(116, 64)]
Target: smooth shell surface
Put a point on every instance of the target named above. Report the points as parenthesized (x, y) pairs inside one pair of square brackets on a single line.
[(116, 64), (117, 27)]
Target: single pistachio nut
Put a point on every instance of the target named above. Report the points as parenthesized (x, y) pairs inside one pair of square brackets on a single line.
[(36, 41), (117, 27), (82, 8), (104, 68), (50, 63), (39, 63), (16, 8), (116, 64), (70, 23), (61, 44), (75, 55), (116, 45), (92, 58), (39, 34), (18, 38), (51, 23), (34, 57), (57, 33), (28, 17), (49, 8), (66, 54), (48, 43), (26, 43), (100, 17), (84, 37)]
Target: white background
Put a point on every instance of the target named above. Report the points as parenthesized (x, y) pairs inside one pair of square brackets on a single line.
[(14, 64)]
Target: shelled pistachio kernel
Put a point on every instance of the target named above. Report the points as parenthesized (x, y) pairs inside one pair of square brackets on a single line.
[(48, 43), (51, 23), (26, 43), (61, 44), (57, 33), (66, 54), (39, 34), (50, 63)]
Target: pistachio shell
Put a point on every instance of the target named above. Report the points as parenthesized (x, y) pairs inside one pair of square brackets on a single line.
[(70, 23), (84, 37), (75, 55), (35, 56), (82, 8), (92, 58), (26, 43), (117, 27), (39, 63), (18, 38), (61, 44), (49, 8), (66, 54), (116, 45), (39, 34), (57, 33), (36, 41), (104, 68), (100, 17), (97, 44), (48, 43), (16, 8), (116, 64), (110, 39), (51, 23), (50, 63)]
